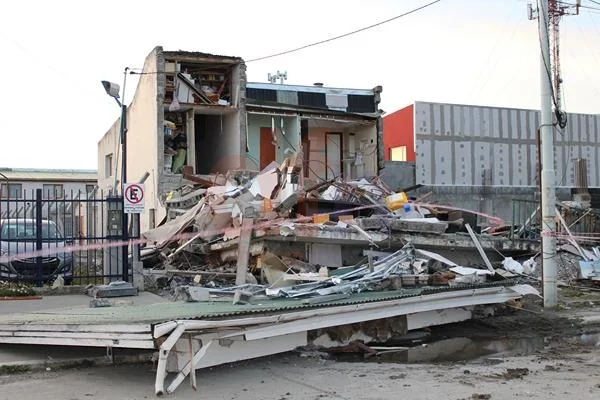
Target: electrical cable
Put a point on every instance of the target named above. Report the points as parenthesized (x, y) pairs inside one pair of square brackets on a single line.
[(326, 166), (345, 34), (492, 52), (564, 3)]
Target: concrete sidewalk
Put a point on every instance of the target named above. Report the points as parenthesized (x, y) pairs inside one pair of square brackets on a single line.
[(70, 301), (42, 357)]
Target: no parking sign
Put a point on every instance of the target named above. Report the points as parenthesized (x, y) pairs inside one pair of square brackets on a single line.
[(134, 198)]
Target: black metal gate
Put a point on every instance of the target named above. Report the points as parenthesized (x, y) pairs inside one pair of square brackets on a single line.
[(77, 236)]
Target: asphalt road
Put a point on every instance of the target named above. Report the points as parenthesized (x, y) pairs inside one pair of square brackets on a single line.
[(291, 376)]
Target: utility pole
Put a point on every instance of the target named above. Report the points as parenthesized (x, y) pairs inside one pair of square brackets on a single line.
[(548, 15), (548, 174)]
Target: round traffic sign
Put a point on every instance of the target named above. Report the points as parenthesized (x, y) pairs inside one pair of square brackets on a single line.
[(134, 193)]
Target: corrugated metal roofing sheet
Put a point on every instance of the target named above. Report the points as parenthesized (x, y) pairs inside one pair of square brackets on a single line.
[(163, 312), (27, 174)]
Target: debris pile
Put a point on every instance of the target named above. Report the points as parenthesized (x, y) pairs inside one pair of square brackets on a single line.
[(263, 233), (407, 268), (218, 226)]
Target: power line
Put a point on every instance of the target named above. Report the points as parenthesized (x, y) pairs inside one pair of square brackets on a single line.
[(345, 34), (491, 54), (595, 2), (581, 5)]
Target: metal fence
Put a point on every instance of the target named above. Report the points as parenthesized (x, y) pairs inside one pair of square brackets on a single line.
[(581, 222), (526, 221), (76, 236)]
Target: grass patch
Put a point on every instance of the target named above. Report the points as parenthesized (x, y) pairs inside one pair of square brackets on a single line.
[(14, 369), (572, 292), (15, 289)]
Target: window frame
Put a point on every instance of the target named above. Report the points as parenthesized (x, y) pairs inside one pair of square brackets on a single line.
[(402, 148), (54, 186), (108, 165), (5, 190)]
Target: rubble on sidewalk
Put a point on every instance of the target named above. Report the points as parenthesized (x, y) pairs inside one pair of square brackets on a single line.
[(113, 289)]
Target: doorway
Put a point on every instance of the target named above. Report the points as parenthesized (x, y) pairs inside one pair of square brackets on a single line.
[(267, 148)]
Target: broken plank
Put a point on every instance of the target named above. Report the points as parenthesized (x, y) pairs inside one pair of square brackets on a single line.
[(183, 246), (244, 247), (486, 260)]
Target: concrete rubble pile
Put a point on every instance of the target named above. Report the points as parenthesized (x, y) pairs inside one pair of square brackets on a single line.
[(406, 268), (231, 231)]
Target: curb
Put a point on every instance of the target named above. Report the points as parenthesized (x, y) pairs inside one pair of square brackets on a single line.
[(49, 291), (33, 366), (20, 298)]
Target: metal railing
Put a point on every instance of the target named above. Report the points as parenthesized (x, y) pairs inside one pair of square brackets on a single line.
[(526, 221)]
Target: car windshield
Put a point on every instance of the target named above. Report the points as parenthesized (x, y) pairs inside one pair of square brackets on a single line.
[(25, 230)]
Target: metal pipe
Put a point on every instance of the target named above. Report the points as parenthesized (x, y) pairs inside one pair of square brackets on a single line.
[(134, 229), (125, 233), (163, 354)]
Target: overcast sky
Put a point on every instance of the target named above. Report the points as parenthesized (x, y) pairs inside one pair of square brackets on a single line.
[(485, 52)]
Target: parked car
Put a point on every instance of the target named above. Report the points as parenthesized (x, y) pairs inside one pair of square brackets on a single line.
[(19, 236)]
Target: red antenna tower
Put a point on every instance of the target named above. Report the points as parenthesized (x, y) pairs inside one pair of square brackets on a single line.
[(556, 10)]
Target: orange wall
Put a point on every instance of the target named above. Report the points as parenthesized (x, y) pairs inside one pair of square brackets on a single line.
[(398, 130)]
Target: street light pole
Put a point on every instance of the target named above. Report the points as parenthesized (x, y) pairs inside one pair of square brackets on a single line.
[(112, 90), (124, 223)]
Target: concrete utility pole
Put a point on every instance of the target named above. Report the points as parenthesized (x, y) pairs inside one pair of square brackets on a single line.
[(556, 10), (548, 174)]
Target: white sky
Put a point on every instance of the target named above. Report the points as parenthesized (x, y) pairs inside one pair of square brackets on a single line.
[(486, 52)]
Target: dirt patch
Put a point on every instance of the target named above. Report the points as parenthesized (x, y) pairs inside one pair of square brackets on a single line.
[(514, 373)]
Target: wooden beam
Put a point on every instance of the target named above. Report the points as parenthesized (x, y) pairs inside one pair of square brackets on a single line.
[(244, 247)]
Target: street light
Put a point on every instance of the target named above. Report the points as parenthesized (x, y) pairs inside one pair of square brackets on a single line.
[(112, 89)]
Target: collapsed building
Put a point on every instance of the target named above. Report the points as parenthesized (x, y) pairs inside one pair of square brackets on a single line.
[(194, 114), (270, 221)]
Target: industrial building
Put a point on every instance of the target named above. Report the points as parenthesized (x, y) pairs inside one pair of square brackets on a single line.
[(484, 157)]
